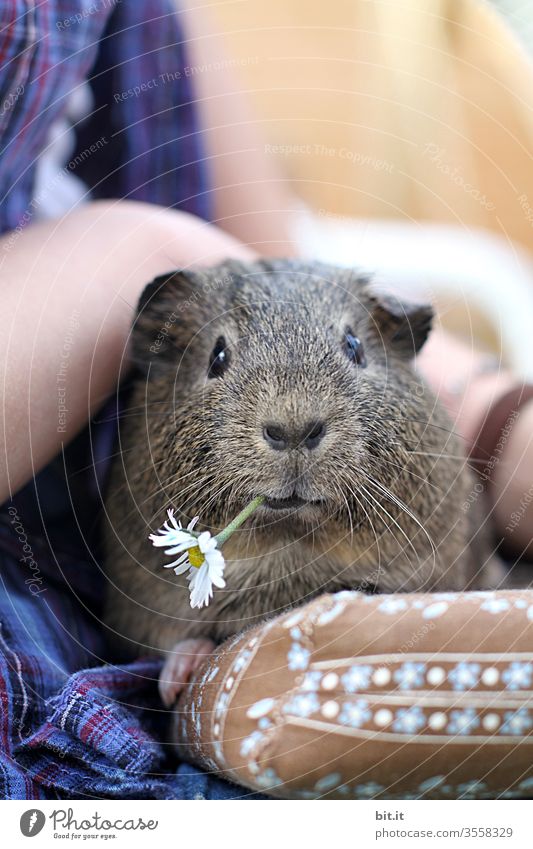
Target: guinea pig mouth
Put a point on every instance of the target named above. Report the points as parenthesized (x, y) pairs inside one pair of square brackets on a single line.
[(291, 503)]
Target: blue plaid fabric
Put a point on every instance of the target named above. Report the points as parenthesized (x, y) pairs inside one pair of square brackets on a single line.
[(143, 115), (70, 725), (73, 724)]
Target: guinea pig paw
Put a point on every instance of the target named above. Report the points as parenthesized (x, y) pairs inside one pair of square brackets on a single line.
[(182, 661)]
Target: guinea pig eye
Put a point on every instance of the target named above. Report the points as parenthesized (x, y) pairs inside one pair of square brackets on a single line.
[(354, 349), (219, 360)]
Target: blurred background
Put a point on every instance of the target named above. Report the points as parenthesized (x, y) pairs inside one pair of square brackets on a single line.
[(406, 129)]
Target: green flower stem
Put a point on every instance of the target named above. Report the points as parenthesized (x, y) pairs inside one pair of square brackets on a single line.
[(239, 520)]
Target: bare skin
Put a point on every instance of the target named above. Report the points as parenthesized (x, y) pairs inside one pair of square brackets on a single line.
[(181, 663), (446, 361), (251, 198)]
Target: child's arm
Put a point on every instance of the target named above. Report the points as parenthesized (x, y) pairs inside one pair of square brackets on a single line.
[(454, 371), (252, 199), (68, 290)]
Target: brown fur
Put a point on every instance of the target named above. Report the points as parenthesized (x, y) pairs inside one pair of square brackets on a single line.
[(196, 443)]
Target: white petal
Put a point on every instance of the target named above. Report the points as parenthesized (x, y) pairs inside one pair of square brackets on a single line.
[(216, 558), (171, 537), (218, 581), (181, 565), (177, 564), (206, 542), (216, 563), (182, 546), (196, 574), (177, 541), (200, 586), (172, 520)]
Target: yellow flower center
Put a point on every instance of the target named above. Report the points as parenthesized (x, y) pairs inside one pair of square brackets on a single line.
[(196, 558)]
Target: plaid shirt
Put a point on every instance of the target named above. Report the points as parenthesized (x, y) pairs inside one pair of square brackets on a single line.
[(72, 725), (140, 140)]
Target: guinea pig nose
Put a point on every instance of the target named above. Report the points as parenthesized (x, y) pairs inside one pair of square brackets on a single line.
[(276, 436), (313, 434)]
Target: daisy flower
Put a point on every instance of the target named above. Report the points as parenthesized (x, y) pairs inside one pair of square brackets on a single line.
[(208, 573), (174, 535), (198, 553)]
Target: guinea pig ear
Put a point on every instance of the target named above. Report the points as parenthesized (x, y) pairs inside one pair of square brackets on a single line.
[(160, 329), (404, 326)]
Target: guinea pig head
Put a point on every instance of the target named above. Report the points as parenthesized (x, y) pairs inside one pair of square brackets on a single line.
[(279, 378)]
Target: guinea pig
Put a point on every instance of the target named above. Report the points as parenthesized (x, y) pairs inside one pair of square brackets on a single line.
[(292, 380)]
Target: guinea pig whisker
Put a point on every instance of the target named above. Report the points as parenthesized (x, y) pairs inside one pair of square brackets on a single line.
[(372, 526), (217, 495), (379, 515), (101, 460), (174, 480), (182, 509), (419, 444), (193, 485), (135, 414), (196, 490), (340, 486), (409, 472), (443, 455), (204, 507), (390, 562), (470, 462), (393, 520), (120, 414), (139, 472), (388, 494), (401, 504), (138, 504), (349, 513), (377, 537), (425, 422)]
